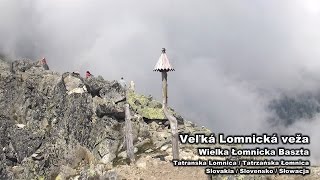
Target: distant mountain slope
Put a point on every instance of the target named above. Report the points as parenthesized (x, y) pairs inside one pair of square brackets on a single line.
[(289, 109)]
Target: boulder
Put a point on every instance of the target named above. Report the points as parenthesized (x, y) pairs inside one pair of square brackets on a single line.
[(140, 104), (73, 83), (149, 108), (112, 92)]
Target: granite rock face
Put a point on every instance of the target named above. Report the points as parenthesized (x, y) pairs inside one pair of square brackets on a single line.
[(45, 116), (63, 126)]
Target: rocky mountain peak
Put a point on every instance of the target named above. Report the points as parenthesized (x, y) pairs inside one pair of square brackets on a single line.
[(62, 125)]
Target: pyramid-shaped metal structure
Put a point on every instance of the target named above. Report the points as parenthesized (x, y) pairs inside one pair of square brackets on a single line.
[(163, 63)]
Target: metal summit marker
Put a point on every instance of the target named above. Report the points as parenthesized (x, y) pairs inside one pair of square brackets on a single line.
[(163, 65)]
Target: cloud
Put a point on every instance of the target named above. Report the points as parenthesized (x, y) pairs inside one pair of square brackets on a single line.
[(231, 57)]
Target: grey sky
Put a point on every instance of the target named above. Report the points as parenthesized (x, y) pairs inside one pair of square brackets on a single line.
[(231, 57)]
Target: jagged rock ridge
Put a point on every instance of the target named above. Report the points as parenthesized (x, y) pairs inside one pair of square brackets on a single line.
[(61, 126), (54, 125)]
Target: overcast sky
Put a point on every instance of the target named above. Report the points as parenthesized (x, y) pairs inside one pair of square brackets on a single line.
[(231, 57)]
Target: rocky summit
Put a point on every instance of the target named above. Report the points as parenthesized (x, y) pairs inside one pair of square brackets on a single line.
[(62, 126)]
